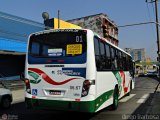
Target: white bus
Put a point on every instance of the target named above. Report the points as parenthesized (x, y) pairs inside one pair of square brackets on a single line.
[(75, 70)]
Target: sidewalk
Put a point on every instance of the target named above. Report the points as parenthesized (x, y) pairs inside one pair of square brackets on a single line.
[(154, 108), (18, 96)]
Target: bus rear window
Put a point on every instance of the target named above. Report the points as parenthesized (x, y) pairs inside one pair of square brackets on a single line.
[(57, 44)]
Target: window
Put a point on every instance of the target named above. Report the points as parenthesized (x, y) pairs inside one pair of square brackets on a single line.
[(102, 49), (108, 56), (124, 62), (112, 53), (96, 47), (100, 54), (127, 63), (97, 52), (67, 46), (108, 53), (103, 56), (35, 48), (59, 44), (119, 60), (113, 59)]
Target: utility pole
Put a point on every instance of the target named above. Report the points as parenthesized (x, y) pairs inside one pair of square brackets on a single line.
[(157, 29), (58, 18)]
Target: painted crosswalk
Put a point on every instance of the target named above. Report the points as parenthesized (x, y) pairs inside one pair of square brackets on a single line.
[(140, 100), (125, 99), (143, 98)]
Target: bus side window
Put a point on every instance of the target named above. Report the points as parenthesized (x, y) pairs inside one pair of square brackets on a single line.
[(97, 53), (131, 68), (102, 57), (108, 57), (120, 61), (127, 63), (124, 62), (113, 59)]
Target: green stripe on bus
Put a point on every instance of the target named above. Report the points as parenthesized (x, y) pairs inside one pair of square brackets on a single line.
[(103, 98), (119, 80), (82, 106)]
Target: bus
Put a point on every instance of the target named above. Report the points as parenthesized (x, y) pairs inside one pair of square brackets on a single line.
[(75, 70)]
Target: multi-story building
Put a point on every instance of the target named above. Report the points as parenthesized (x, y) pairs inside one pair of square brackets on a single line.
[(101, 24), (137, 54)]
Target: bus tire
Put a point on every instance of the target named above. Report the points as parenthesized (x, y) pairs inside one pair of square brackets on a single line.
[(115, 99)]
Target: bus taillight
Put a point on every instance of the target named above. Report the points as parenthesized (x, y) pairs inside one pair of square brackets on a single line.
[(28, 89), (86, 86)]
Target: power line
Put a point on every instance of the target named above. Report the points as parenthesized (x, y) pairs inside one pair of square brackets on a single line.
[(135, 24)]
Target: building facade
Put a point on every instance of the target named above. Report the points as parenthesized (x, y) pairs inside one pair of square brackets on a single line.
[(137, 54), (101, 24)]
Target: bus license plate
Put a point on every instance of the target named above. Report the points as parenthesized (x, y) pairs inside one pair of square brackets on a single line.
[(55, 92)]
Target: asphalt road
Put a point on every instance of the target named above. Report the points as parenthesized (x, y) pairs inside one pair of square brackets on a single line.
[(133, 107)]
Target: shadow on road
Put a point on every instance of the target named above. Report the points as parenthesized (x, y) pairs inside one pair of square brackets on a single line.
[(18, 111), (144, 108), (155, 78)]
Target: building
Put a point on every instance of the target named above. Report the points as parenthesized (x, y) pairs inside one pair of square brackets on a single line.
[(101, 24), (14, 32), (137, 54)]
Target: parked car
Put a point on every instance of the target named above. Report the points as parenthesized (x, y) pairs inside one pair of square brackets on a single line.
[(142, 74), (152, 73), (5, 96)]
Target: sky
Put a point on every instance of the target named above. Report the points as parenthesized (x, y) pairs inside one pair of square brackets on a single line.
[(122, 12)]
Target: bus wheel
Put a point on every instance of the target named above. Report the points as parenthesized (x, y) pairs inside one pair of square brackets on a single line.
[(115, 99)]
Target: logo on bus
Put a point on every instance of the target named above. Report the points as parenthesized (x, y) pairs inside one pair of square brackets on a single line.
[(35, 77)]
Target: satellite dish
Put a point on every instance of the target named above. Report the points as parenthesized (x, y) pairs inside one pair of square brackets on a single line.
[(45, 15)]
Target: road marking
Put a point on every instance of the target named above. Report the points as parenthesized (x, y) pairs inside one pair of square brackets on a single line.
[(143, 98), (126, 98)]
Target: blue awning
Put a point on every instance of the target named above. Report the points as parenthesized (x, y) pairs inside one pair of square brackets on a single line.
[(14, 32), (12, 45)]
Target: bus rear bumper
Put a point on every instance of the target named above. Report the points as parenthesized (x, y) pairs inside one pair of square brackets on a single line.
[(78, 106)]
